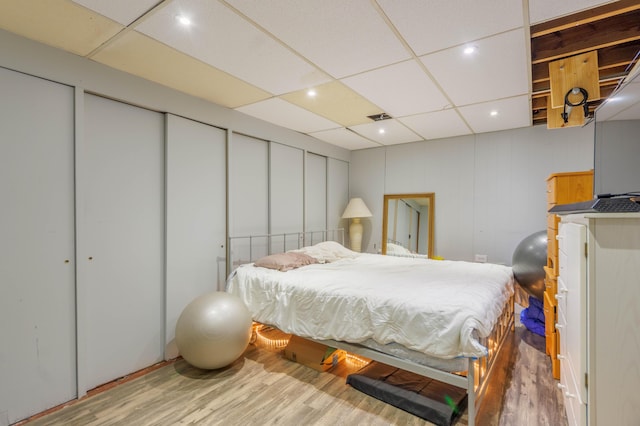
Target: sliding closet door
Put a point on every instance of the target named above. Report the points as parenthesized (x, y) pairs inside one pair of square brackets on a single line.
[(37, 264), (337, 197), (248, 197), (316, 198), (286, 202), (121, 191), (196, 212)]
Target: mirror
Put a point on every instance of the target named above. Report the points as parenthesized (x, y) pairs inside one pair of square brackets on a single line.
[(407, 221), (616, 147)]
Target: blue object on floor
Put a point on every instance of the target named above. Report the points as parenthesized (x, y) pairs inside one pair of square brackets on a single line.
[(533, 316)]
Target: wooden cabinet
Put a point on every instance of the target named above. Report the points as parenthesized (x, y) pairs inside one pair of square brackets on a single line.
[(562, 188), (598, 300)]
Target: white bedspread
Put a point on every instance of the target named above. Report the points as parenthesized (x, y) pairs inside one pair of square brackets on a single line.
[(432, 306)]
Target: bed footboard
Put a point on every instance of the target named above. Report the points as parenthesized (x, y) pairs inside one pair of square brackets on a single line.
[(479, 371)]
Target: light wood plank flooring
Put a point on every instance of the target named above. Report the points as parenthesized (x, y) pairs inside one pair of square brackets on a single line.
[(264, 388)]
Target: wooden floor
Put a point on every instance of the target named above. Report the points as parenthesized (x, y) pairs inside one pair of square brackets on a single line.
[(264, 388)]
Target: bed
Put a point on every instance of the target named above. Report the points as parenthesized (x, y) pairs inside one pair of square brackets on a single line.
[(442, 319)]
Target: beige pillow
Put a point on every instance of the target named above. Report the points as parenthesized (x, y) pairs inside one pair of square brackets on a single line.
[(285, 261), (327, 251)]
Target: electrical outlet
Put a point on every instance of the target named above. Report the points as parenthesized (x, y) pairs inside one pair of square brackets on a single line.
[(481, 258)]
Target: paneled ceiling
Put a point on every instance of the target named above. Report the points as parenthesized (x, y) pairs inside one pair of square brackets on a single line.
[(433, 69)]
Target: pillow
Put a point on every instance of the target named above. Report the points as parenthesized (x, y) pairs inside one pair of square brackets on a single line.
[(328, 251), (396, 249), (285, 261)]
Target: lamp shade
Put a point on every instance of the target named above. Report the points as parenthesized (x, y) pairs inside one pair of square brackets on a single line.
[(356, 208)]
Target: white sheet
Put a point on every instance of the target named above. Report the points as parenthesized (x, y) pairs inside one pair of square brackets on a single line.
[(435, 307)]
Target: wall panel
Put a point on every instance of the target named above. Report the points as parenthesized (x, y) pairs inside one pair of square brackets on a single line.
[(248, 195), (338, 195), (196, 216), (286, 189), (315, 196), (122, 200), (37, 263)]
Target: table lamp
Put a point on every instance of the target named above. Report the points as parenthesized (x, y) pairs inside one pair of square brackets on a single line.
[(355, 210)]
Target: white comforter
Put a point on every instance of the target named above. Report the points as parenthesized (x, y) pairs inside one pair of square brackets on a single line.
[(432, 306)]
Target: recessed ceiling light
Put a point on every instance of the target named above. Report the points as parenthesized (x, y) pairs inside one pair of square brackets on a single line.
[(183, 20), (493, 113), (470, 50), (311, 93), (381, 131)]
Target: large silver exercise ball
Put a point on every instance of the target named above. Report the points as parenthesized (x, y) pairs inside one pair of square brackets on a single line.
[(529, 259), (213, 330)]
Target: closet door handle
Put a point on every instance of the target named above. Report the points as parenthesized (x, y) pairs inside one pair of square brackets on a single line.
[(560, 326)]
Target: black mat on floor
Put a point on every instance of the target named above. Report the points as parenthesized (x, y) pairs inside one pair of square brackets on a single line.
[(429, 399)]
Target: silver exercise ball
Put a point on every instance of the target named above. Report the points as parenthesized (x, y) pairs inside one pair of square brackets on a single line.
[(529, 259), (213, 330)]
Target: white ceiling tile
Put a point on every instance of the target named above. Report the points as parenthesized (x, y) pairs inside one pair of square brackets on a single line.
[(284, 114), (498, 69), (143, 56), (436, 125), (511, 114), (122, 11), (219, 37), (394, 132), (341, 37), (429, 26), (400, 89), (545, 10), (58, 23), (344, 138)]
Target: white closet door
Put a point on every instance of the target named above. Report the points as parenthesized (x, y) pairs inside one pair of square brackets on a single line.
[(337, 196), (122, 196), (316, 197), (37, 265), (248, 197), (286, 200), (196, 212)]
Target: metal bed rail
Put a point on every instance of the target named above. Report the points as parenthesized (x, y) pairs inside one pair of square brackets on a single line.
[(255, 246)]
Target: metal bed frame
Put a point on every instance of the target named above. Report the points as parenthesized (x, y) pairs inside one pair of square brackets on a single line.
[(479, 370), (303, 238)]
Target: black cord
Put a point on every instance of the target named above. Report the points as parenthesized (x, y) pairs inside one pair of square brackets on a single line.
[(583, 102)]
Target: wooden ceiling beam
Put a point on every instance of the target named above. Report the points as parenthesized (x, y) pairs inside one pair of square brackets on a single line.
[(583, 18), (619, 55), (597, 35), (613, 30)]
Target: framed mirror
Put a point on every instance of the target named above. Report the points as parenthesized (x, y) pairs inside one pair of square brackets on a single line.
[(407, 223)]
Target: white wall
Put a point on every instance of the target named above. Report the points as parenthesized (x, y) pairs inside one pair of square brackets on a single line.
[(490, 189)]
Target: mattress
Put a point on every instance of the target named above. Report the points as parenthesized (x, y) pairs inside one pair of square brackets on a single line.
[(437, 309)]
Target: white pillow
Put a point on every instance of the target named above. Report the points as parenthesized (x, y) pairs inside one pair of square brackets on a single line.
[(328, 251), (396, 249)]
